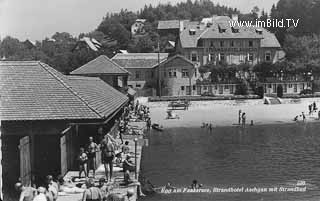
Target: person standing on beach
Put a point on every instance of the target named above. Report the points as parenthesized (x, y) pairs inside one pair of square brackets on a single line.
[(314, 106), (239, 117), (243, 117), (310, 109), (303, 117), (210, 127)]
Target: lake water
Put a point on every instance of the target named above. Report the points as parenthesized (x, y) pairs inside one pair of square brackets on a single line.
[(263, 156)]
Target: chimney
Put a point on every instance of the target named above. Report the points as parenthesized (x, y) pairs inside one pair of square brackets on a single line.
[(181, 25), (234, 17)]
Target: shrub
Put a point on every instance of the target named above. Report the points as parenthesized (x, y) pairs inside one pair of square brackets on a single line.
[(241, 89)]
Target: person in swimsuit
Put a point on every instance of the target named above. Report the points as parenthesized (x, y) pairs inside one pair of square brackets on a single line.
[(92, 193), (26, 193), (107, 155), (83, 162), (92, 149), (243, 119)]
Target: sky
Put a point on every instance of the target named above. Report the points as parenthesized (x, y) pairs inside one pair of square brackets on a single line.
[(37, 19)]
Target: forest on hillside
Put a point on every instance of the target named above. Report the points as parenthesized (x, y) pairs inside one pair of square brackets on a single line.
[(114, 32)]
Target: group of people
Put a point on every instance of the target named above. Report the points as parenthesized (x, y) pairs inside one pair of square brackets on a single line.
[(111, 151), (209, 126), (312, 108), (47, 192)]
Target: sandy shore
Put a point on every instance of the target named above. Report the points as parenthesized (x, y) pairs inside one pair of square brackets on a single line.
[(225, 113)]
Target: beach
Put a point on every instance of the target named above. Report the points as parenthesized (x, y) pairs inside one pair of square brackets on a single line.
[(225, 112)]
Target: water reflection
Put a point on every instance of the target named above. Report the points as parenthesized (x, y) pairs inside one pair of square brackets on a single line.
[(257, 156)]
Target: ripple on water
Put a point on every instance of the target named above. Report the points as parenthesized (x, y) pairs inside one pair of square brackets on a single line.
[(262, 156)]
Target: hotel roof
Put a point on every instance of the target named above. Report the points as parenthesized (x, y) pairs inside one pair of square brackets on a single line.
[(100, 65), (32, 90), (213, 31)]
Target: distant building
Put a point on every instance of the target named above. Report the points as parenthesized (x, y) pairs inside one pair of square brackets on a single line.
[(170, 47), (88, 43), (141, 67), (105, 69), (45, 118), (29, 44), (295, 85), (213, 40), (177, 76), (138, 27), (171, 26)]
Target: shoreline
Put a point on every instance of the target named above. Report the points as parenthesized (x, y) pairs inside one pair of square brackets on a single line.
[(225, 113)]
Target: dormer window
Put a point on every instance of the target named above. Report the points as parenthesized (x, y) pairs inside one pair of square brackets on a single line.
[(192, 32), (222, 28), (235, 30), (259, 31)]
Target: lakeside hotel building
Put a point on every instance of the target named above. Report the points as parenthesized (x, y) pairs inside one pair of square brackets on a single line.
[(213, 40)]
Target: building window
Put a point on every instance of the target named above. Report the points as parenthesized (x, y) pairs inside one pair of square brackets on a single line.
[(138, 85), (221, 43), (185, 73), (269, 86), (267, 56), (309, 84), (295, 89), (250, 43), (216, 87), (194, 87), (222, 57), (290, 85), (274, 88), (152, 75), (182, 88), (211, 57), (172, 73), (250, 57), (226, 86), (138, 74), (240, 43), (285, 88), (211, 44), (231, 43), (194, 57)]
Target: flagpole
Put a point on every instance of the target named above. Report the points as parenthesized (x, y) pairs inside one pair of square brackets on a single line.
[(159, 80)]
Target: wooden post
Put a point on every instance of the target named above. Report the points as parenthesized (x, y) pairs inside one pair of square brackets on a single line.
[(135, 158)]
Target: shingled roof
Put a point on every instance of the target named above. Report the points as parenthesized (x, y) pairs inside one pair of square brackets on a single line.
[(31, 90), (169, 24), (188, 40), (138, 60), (100, 65)]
